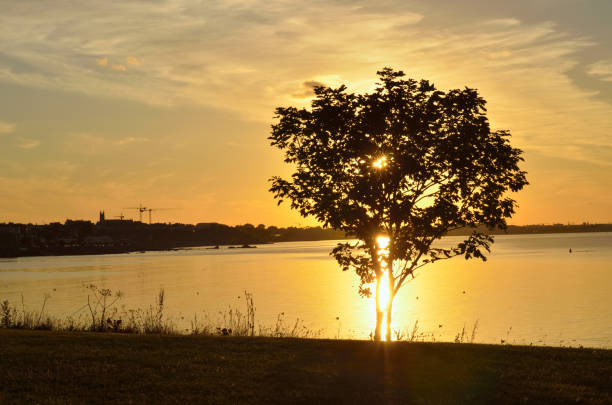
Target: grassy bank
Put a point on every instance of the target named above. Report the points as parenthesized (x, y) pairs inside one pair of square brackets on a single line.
[(77, 367)]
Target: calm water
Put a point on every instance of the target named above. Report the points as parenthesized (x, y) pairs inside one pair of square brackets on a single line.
[(531, 290)]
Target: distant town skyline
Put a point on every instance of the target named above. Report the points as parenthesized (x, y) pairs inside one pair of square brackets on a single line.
[(168, 104)]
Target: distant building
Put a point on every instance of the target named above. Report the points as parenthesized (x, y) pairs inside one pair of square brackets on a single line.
[(112, 222), (99, 241), (207, 225)]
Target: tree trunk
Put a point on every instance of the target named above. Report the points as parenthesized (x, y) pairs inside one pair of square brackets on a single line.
[(388, 314), (379, 313), (379, 321), (389, 307)]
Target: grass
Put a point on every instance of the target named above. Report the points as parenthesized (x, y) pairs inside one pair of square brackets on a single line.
[(20, 318), (101, 314), (51, 367), (138, 356)]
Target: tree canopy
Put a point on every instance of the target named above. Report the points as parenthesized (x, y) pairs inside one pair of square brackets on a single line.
[(406, 161)]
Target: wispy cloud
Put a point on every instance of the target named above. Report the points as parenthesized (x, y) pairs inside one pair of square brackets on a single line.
[(89, 143), (131, 139), (601, 70), (498, 54), (248, 57), (27, 143), (307, 89), (251, 56), (60, 166), (506, 22), (6, 127)]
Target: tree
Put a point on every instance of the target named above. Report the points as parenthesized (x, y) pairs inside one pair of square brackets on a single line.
[(397, 169)]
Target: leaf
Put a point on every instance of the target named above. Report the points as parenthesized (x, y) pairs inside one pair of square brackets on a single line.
[(444, 169)]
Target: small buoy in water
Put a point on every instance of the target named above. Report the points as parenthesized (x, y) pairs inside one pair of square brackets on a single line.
[(570, 250)]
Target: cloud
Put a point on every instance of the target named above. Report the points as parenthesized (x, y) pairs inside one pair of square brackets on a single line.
[(131, 139), (191, 58), (507, 22), (6, 127), (27, 143), (92, 144), (252, 56), (601, 70), (102, 61), (60, 166), (498, 54), (307, 89)]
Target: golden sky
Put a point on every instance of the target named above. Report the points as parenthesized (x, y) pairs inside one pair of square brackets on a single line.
[(105, 105)]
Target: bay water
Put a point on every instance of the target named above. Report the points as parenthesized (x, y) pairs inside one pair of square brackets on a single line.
[(531, 290)]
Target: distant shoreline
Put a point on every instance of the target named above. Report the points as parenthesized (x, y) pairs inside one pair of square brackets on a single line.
[(104, 250), (79, 251), (540, 229)]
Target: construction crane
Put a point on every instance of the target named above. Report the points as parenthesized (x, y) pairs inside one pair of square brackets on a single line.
[(156, 209), (142, 209)]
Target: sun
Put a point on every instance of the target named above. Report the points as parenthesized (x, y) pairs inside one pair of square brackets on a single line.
[(380, 163)]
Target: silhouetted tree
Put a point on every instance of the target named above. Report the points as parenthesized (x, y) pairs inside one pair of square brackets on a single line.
[(407, 162)]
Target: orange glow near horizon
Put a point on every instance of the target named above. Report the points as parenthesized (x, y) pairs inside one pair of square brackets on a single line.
[(150, 129)]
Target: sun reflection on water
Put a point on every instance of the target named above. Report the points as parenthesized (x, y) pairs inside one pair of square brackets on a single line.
[(385, 293)]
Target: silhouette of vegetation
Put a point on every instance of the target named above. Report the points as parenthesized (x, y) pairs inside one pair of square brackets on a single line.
[(406, 162), (19, 318), (101, 314), (236, 321), (119, 236), (99, 305)]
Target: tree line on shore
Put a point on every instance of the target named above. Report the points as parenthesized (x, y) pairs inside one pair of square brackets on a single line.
[(118, 236)]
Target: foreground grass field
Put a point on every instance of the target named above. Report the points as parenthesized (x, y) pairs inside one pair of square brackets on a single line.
[(63, 368)]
